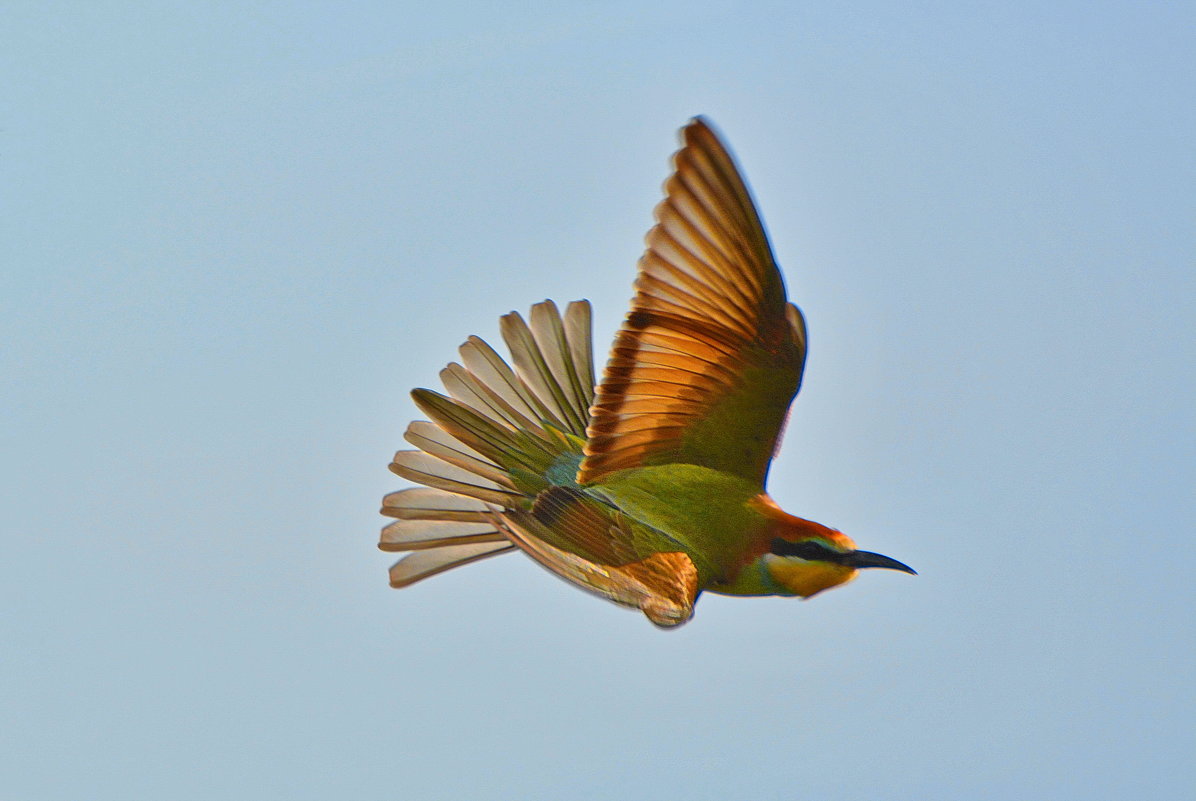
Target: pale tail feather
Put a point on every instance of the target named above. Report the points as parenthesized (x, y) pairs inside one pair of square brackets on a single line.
[(493, 416), (431, 518), (422, 564), (423, 468)]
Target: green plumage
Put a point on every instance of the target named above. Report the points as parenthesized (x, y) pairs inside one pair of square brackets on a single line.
[(704, 512), (646, 487)]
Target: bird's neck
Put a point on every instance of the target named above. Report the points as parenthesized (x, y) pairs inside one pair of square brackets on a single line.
[(791, 527)]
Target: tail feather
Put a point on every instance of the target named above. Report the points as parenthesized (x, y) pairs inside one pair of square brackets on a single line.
[(442, 529), (535, 373), (418, 535), (423, 564), (496, 375), (465, 388), (577, 332), (425, 503), (435, 441), (492, 443), (503, 447), (423, 468), (549, 332)]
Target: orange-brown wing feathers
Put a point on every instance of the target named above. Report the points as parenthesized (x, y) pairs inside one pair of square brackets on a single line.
[(710, 356), (664, 586)]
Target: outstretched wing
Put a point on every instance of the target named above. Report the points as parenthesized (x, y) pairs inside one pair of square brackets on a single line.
[(708, 360)]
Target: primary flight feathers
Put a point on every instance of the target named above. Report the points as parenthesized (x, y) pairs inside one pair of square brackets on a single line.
[(707, 362)]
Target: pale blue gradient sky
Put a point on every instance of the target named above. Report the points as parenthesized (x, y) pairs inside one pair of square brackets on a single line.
[(234, 239)]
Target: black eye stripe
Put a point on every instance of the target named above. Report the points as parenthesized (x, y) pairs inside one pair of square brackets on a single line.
[(807, 549)]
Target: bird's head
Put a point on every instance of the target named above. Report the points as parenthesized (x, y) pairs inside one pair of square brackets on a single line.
[(804, 558), (808, 566)]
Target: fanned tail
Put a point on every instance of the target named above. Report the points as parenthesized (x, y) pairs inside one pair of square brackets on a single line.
[(498, 463), (499, 436)]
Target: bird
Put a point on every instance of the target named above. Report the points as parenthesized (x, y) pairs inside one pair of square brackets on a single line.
[(645, 486)]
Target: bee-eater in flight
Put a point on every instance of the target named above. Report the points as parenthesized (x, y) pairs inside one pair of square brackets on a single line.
[(646, 487)]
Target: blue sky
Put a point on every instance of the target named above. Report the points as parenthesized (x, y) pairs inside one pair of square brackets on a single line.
[(235, 236)]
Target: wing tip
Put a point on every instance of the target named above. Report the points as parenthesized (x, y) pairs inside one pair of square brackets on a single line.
[(701, 131)]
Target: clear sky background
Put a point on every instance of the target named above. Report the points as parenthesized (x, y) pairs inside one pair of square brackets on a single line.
[(235, 235)]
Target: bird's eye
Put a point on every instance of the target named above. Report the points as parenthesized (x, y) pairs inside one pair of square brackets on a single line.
[(806, 549)]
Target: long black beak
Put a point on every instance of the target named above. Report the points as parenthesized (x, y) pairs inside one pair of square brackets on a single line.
[(860, 559)]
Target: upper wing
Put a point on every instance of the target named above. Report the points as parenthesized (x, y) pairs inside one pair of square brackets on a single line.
[(708, 360)]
